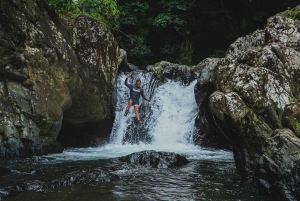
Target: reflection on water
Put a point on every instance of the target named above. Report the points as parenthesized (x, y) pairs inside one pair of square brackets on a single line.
[(199, 180)]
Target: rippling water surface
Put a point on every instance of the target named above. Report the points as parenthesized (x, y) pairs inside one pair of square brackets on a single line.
[(211, 175)]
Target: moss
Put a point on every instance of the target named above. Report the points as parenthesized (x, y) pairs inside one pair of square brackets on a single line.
[(293, 14), (297, 129)]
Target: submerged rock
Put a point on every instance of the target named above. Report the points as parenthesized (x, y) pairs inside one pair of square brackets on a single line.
[(84, 177), (30, 185), (255, 83), (88, 176), (155, 159)]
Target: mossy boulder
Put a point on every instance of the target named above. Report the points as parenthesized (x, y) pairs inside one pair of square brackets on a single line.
[(165, 70), (291, 117), (255, 83), (53, 73)]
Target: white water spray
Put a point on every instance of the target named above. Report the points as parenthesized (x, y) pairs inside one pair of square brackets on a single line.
[(168, 120)]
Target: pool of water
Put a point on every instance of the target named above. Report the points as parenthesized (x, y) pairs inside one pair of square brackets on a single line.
[(211, 175)]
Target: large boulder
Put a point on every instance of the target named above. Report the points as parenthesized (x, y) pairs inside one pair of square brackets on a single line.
[(90, 113), (277, 171), (247, 131), (255, 84), (51, 71), (165, 70)]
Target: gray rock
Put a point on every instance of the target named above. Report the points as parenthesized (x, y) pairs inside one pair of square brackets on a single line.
[(255, 83), (206, 70), (165, 70), (291, 117), (277, 169), (155, 159)]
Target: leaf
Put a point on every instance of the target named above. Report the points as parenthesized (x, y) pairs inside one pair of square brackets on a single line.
[(162, 20)]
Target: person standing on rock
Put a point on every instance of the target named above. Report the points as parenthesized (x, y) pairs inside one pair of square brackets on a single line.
[(135, 92)]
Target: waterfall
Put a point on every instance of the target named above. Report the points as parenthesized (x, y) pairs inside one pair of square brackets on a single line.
[(168, 119), (169, 123)]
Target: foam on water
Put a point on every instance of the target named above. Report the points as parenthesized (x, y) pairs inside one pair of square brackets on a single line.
[(168, 122), (114, 151)]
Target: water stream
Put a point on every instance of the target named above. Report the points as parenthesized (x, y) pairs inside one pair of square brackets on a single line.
[(168, 126)]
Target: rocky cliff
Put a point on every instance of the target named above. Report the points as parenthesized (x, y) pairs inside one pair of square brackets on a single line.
[(53, 71), (256, 102)]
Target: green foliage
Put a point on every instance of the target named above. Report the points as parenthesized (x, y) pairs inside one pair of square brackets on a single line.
[(294, 99), (297, 129), (139, 51), (219, 53), (244, 24), (170, 28), (104, 11), (292, 13), (166, 22), (133, 12), (20, 49), (162, 20)]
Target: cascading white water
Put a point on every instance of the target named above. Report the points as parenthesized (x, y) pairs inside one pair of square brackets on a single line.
[(168, 119)]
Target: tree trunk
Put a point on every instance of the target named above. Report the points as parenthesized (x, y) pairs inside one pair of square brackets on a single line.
[(186, 50)]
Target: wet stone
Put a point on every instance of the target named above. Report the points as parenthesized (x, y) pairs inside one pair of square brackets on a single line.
[(84, 177), (155, 159)]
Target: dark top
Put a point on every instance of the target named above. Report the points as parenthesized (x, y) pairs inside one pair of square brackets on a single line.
[(135, 91)]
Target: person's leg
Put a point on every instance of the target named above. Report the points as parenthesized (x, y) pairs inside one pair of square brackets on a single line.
[(129, 104), (128, 107), (137, 114)]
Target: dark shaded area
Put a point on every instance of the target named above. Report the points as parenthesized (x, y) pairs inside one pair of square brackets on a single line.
[(88, 135), (210, 133), (189, 31)]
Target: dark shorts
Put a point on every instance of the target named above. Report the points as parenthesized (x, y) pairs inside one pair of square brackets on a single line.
[(135, 102)]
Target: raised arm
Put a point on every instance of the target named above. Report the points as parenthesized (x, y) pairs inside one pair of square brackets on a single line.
[(130, 86)]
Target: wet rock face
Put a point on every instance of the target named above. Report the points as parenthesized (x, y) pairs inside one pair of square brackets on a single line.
[(98, 52), (47, 75), (255, 84), (209, 135), (278, 169), (155, 159)]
